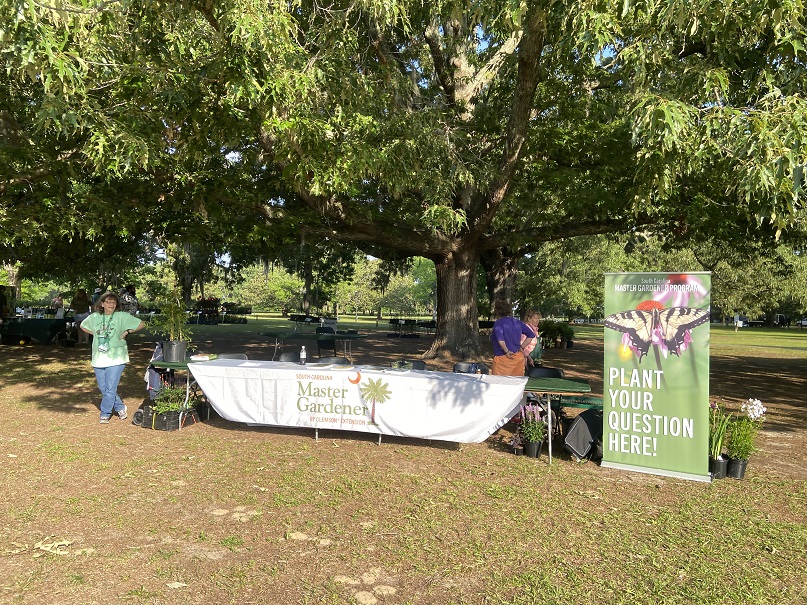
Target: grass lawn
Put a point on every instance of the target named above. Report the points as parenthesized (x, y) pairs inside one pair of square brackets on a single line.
[(226, 513)]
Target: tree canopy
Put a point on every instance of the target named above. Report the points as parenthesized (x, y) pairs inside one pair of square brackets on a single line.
[(460, 131)]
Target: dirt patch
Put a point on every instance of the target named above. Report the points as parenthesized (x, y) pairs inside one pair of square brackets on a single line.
[(223, 513)]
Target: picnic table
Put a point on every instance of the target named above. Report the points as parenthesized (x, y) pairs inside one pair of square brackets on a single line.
[(310, 320), (40, 330), (404, 328), (346, 338)]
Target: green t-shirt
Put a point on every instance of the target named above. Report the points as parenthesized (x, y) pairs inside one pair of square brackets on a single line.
[(108, 348)]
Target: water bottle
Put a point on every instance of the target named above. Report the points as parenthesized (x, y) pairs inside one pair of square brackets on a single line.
[(302, 356)]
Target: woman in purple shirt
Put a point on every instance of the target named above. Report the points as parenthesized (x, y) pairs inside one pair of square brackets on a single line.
[(508, 350)]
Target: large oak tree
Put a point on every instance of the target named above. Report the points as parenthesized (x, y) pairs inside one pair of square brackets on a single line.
[(461, 131)]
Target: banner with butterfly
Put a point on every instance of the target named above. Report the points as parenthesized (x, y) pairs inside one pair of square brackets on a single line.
[(656, 378)]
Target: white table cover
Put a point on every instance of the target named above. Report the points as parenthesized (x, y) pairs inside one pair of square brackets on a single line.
[(409, 403)]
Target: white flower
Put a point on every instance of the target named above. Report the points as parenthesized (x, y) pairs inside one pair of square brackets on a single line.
[(754, 409)]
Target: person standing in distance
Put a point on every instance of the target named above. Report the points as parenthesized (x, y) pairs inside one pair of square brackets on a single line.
[(128, 300), (110, 326), (532, 350), (82, 307)]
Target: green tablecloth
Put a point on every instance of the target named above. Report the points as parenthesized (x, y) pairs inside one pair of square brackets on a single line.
[(556, 385), (40, 330)]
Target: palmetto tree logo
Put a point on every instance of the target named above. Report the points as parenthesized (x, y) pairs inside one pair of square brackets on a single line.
[(376, 392)]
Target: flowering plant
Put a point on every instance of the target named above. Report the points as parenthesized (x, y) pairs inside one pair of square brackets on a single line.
[(743, 431), (532, 427), (718, 423), (754, 409)]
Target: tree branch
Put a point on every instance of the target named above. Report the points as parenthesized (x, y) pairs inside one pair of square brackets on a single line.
[(34, 175), (529, 59), (490, 70), (407, 239), (537, 235), (432, 35)]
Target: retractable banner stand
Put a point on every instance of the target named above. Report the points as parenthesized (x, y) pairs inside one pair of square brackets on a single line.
[(656, 389)]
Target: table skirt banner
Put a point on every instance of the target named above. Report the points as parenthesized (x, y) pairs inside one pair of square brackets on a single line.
[(408, 403)]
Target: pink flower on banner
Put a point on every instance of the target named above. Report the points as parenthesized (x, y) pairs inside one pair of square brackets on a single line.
[(682, 287)]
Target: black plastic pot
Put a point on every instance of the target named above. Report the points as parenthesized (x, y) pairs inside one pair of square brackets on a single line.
[(736, 468), (532, 449), (718, 468)]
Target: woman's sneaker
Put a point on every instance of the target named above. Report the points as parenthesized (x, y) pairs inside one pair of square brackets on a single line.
[(104, 419), (122, 413)]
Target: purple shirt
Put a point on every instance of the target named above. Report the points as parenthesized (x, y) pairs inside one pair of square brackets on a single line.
[(509, 329)]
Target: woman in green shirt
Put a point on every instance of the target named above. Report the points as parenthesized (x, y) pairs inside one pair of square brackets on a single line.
[(110, 326)]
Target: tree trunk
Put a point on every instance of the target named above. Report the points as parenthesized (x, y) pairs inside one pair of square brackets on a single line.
[(500, 275), (308, 282), (14, 279), (186, 287), (457, 333)]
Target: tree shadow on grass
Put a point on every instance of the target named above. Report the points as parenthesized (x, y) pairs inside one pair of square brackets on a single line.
[(329, 434)]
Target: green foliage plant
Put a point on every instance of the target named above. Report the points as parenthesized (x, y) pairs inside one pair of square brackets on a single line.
[(532, 426), (742, 433), (566, 331), (169, 399), (741, 438), (172, 321), (718, 423), (550, 330)]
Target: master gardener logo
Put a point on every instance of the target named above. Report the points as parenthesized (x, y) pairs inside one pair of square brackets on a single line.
[(318, 399), (375, 391), (340, 404)]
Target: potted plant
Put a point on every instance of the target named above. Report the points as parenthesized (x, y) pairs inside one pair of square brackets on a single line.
[(742, 434), (718, 423), (550, 333), (169, 399), (532, 429), (172, 324), (566, 335), (517, 444), (164, 412), (207, 310)]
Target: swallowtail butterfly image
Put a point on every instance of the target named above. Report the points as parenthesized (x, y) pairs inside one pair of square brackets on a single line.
[(651, 324)]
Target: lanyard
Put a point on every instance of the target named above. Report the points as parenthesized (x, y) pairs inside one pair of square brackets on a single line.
[(106, 327)]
